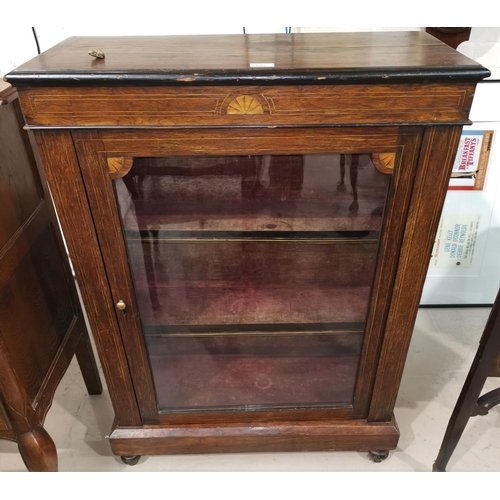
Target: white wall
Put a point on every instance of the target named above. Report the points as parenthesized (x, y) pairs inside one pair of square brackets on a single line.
[(479, 283), (17, 45), (484, 47)]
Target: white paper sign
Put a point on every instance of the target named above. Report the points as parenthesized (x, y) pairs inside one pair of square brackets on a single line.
[(455, 241), (262, 65)]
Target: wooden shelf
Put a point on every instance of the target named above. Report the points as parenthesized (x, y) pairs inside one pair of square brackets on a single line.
[(251, 282), (231, 372), (298, 237), (283, 330), (335, 215), (240, 262), (228, 303)]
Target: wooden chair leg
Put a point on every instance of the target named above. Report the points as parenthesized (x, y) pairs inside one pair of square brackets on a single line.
[(88, 365), (489, 347), (495, 371), (35, 445), (38, 450)]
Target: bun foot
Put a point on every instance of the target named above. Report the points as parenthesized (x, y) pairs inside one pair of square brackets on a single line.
[(378, 455), (131, 460)]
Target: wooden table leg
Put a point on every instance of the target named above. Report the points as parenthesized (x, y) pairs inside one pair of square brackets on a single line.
[(88, 366), (489, 347), (495, 371)]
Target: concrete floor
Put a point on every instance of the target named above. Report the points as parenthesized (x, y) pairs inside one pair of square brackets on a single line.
[(442, 349)]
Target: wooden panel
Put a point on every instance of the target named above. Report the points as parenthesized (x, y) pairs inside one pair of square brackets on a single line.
[(35, 313), (337, 414), (241, 141), (438, 149), (7, 434), (12, 254), (58, 156), (20, 191), (188, 60), (4, 420), (283, 436), (168, 106)]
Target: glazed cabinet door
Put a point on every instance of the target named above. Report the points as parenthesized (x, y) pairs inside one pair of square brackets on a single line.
[(251, 269)]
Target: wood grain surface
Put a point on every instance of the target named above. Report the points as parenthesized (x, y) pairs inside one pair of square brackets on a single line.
[(266, 437), (296, 58), (58, 156), (210, 106)]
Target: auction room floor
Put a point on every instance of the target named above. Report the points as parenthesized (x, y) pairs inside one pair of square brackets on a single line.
[(443, 346)]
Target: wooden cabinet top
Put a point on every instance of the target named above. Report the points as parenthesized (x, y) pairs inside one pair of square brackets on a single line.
[(325, 58)]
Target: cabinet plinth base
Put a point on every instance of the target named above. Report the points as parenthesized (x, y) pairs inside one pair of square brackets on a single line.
[(357, 435)]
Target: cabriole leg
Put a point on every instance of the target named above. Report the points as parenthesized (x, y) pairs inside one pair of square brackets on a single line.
[(38, 450)]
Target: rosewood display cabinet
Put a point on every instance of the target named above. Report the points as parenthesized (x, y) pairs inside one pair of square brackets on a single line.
[(251, 220)]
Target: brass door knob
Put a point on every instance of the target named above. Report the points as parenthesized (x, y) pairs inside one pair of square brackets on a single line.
[(120, 305)]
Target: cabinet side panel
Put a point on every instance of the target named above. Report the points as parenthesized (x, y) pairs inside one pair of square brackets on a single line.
[(63, 174), (436, 158)]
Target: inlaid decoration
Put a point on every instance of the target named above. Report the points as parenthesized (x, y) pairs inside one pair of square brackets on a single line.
[(384, 162), (245, 105), (119, 167)]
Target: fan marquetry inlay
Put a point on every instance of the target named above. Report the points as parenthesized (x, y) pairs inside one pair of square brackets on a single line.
[(119, 167), (384, 162), (245, 105)]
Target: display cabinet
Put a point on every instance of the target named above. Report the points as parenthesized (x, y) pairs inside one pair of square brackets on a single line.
[(251, 220)]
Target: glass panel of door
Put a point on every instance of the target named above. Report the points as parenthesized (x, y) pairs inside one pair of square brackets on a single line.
[(253, 275)]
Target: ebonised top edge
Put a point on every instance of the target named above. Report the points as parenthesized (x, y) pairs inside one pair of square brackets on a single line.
[(321, 59), (317, 77)]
